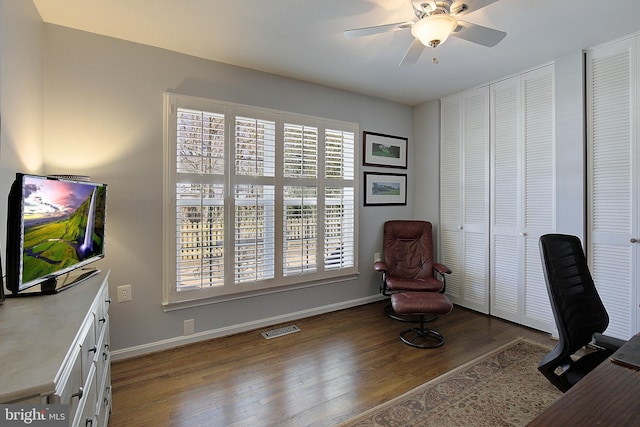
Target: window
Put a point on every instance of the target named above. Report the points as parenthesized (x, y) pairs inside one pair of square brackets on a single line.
[(259, 200)]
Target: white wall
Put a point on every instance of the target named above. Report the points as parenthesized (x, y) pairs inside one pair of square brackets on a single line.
[(21, 109), (426, 162), (103, 118), (570, 146)]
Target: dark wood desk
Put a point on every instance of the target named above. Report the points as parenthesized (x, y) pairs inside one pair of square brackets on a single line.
[(608, 396)]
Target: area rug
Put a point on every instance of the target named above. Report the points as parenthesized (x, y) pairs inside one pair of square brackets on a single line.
[(501, 388)]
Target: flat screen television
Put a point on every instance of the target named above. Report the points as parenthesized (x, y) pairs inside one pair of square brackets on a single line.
[(55, 227)]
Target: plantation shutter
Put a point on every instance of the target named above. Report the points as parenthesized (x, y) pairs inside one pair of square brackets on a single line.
[(300, 227), (199, 199), (300, 230), (254, 199), (258, 199), (339, 158)]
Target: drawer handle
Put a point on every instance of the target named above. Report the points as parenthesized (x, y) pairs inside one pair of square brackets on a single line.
[(79, 393), (633, 240), (104, 319), (108, 300), (93, 349), (89, 422)]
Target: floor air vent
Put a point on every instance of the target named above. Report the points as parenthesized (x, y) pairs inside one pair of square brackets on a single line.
[(280, 332)]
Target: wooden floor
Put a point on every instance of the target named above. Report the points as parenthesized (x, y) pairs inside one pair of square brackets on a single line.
[(339, 365)]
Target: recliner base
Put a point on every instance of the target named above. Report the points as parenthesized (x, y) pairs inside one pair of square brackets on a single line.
[(422, 338)]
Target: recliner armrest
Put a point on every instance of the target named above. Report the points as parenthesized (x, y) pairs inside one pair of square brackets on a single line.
[(605, 341), (441, 268), (380, 266)]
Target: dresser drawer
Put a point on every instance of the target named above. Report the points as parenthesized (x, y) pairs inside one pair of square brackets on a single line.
[(85, 413), (104, 399), (103, 357), (73, 390), (88, 348)]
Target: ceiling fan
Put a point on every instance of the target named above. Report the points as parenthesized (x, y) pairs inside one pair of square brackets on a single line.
[(437, 20)]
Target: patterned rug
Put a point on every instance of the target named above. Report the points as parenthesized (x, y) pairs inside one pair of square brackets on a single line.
[(501, 388)]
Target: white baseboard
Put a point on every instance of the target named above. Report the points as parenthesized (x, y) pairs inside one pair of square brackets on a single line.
[(153, 347)]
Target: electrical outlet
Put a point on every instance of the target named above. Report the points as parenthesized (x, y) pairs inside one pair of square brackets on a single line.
[(124, 293), (189, 327), (376, 257)]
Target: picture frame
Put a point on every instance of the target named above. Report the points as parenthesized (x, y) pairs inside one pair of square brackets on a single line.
[(385, 189), (384, 150)]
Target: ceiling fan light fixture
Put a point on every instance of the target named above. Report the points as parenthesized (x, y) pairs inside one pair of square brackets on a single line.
[(433, 30)]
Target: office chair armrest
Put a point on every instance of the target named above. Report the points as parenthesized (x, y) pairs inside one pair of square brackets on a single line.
[(607, 342), (380, 266), (441, 268)]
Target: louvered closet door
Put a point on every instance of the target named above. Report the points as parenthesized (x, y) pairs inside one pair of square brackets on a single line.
[(522, 195), (451, 193), (464, 197), (613, 162)]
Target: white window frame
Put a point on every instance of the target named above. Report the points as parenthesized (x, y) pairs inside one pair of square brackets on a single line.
[(174, 298)]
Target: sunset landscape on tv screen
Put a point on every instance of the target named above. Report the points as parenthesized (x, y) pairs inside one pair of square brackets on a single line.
[(63, 224)]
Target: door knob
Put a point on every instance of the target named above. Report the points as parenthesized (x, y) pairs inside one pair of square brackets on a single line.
[(633, 240)]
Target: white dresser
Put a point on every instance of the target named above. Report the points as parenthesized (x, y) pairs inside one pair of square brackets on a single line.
[(54, 349)]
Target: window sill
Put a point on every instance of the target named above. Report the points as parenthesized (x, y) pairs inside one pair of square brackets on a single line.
[(198, 302)]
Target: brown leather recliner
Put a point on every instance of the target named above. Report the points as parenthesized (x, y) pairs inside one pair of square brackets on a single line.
[(408, 263)]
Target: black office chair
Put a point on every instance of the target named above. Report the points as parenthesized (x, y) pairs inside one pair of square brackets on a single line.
[(578, 310)]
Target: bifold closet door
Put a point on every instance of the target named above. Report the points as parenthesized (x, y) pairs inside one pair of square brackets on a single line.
[(464, 197), (613, 181), (522, 195)]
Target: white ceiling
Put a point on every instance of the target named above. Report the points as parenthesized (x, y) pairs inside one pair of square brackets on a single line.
[(304, 39)]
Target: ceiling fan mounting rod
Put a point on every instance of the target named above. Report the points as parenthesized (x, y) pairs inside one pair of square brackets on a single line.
[(426, 8)]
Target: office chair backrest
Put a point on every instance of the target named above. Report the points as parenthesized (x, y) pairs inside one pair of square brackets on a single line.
[(577, 307), (408, 248)]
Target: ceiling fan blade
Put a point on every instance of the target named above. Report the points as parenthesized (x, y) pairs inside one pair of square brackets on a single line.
[(478, 34), (414, 52), (368, 31), (462, 7)]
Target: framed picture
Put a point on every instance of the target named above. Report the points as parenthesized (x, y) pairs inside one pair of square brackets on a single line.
[(385, 189), (384, 150)]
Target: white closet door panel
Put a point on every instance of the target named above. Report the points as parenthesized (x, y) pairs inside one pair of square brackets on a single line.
[(451, 256), (451, 249), (464, 196), (476, 286), (611, 140), (537, 308), (523, 195), (506, 275), (613, 160), (505, 138), (476, 156), (475, 228), (451, 163), (538, 190), (505, 295), (612, 272), (539, 149)]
